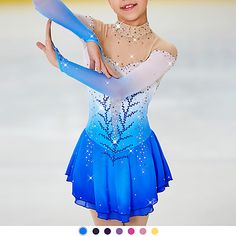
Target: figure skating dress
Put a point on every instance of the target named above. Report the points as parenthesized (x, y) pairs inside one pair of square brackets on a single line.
[(117, 167)]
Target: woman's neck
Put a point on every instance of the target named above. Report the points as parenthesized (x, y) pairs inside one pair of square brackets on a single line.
[(130, 31)]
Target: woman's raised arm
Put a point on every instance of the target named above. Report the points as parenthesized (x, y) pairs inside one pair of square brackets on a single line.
[(58, 12), (148, 72)]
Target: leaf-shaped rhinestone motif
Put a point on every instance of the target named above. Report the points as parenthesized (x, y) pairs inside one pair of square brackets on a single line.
[(119, 125), (117, 131)]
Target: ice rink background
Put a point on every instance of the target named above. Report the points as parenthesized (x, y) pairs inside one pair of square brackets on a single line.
[(42, 113)]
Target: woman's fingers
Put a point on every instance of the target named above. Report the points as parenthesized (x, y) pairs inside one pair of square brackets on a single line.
[(48, 47), (111, 72), (48, 36), (49, 43), (48, 32), (41, 46), (92, 64), (98, 65), (104, 70)]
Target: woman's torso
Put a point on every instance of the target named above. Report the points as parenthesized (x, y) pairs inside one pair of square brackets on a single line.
[(120, 125)]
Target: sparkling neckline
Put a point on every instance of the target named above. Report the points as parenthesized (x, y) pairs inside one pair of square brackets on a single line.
[(166, 53), (131, 30)]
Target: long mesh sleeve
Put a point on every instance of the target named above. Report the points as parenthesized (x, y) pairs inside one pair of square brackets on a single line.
[(144, 75), (87, 20), (58, 12)]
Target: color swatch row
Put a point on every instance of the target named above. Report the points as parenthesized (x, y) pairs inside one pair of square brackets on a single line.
[(119, 231)]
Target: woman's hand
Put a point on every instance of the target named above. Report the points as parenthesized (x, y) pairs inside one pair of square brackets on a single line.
[(95, 56), (96, 62), (48, 47)]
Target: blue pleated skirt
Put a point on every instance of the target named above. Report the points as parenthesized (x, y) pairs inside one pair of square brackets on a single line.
[(121, 189)]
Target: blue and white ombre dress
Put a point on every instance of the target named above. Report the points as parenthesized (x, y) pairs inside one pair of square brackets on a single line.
[(117, 167)]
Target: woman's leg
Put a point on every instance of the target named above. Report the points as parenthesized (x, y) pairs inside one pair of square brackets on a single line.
[(100, 222)]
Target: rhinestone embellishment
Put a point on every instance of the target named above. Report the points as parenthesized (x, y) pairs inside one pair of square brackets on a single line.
[(130, 31)]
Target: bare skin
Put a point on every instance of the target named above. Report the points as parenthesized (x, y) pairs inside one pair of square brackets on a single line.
[(96, 62), (135, 17), (47, 48)]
